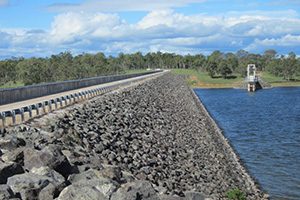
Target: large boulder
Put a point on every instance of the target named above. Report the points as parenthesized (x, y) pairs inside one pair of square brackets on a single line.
[(9, 169), (195, 196), (94, 189), (16, 155), (136, 190), (55, 178), (170, 197), (50, 156), (49, 192), (80, 193), (105, 185), (29, 185), (11, 143)]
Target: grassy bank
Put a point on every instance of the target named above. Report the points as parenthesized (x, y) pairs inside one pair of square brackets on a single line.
[(198, 79), (279, 81)]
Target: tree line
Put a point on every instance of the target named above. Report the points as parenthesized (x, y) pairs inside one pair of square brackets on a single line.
[(65, 66)]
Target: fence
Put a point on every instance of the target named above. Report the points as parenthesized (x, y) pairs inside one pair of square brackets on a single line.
[(12, 95)]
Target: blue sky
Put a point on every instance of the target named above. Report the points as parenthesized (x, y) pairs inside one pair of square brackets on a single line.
[(41, 28)]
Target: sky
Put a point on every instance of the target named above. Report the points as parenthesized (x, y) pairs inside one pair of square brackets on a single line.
[(35, 28)]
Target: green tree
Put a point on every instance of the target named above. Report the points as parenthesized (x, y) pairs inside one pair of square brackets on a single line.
[(33, 71), (212, 68), (289, 66), (224, 69)]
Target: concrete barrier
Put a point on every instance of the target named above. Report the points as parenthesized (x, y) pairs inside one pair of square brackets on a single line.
[(12, 95), (59, 102)]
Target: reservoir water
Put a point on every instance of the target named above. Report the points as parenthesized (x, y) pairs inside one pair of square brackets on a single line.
[(264, 129)]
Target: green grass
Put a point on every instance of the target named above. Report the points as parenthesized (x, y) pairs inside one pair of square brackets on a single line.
[(276, 81), (202, 79), (12, 84)]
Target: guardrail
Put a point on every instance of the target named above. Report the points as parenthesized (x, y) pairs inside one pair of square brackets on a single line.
[(56, 103), (12, 95)]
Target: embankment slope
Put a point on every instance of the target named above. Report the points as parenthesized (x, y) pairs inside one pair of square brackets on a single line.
[(158, 132)]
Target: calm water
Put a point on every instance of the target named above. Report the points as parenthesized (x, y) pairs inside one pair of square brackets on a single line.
[(264, 128)]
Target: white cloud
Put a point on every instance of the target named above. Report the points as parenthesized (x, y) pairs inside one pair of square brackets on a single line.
[(289, 42), (121, 5), (162, 30)]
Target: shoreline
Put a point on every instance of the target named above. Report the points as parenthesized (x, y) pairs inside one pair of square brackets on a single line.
[(240, 165), (211, 86)]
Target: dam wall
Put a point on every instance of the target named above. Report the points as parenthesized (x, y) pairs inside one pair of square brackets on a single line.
[(153, 140)]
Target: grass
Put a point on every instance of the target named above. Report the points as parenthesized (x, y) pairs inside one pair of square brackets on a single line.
[(11, 84), (203, 80), (198, 79), (279, 81)]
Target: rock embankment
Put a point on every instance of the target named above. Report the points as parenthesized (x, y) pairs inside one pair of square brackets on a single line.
[(148, 142)]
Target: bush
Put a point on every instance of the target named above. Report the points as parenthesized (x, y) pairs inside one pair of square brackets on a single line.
[(236, 194)]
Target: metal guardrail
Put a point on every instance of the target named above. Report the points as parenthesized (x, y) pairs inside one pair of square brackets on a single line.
[(53, 104), (12, 95)]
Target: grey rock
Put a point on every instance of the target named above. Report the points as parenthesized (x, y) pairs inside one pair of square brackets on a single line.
[(96, 188), (49, 192), (81, 193), (5, 192), (29, 185), (56, 179), (136, 190), (9, 169), (11, 143), (194, 196), (170, 197), (49, 156), (84, 176), (16, 155)]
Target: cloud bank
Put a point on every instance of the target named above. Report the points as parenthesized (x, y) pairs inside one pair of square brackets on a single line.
[(162, 30), (123, 5)]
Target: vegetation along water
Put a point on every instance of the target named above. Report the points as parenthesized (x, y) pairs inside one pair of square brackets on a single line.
[(264, 128)]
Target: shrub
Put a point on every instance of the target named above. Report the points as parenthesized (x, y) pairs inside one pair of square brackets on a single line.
[(236, 194)]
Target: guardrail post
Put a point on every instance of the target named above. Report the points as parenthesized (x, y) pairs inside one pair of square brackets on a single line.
[(49, 105), (30, 111), (61, 102), (2, 116), (55, 103), (22, 114), (76, 97), (72, 97), (37, 109), (44, 107), (13, 115)]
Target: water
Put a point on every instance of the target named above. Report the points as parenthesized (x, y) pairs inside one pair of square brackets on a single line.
[(264, 128)]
